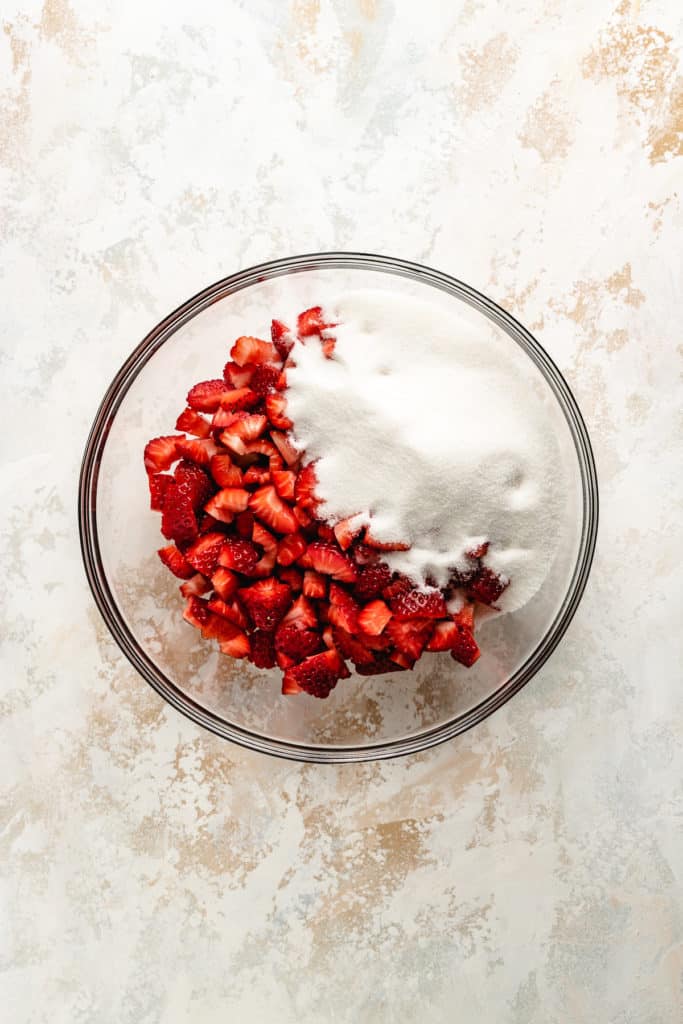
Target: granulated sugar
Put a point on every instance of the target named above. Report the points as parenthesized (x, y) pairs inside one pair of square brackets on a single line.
[(430, 430)]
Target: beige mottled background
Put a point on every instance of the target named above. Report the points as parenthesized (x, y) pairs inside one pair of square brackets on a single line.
[(529, 872)]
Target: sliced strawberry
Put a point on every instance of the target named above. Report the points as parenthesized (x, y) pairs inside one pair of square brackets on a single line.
[(343, 610), (237, 646), (286, 449), (290, 548), (311, 321), (281, 338), (318, 674), (239, 555), (225, 472), (160, 452), (262, 649), (296, 641), (196, 585), (255, 476), (178, 519), (346, 531), (304, 489), (158, 484), (284, 481), (267, 601), (269, 507), (252, 350), (314, 585), (374, 617), (193, 423), (204, 553), (486, 587), (225, 583), (240, 398), (292, 577), (199, 451), (416, 603), (206, 397), (411, 636), (444, 636), (175, 560), (379, 545), (238, 376), (228, 500), (302, 612), (372, 579), (330, 562), (196, 612), (264, 379), (275, 408), (465, 649)]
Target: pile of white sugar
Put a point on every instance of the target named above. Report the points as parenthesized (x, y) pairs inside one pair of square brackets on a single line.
[(432, 430)]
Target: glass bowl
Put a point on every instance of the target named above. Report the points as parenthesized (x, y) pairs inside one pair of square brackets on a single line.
[(364, 718)]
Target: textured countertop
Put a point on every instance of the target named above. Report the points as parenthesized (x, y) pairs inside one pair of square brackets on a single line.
[(528, 872)]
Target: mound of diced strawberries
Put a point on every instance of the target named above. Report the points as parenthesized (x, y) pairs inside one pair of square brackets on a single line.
[(263, 574)]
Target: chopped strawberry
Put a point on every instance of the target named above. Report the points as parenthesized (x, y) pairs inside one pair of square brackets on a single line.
[(444, 636), (293, 577), (261, 536), (402, 659), (267, 601), (231, 610), (328, 560), (303, 613), (238, 376), (199, 451), (228, 500), (318, 674), (269, 507), (178, 519), (160, 452), (479, 551), (374, 617), (195, 586), (158, 483), (303, 518), (343, 609), (193, 423), (194, 482), (206, 397), (315, 585), (346, 531), (196, 612), (416, 603), (465, 617), (372, 579), (225, 472), (275, 408), (296, 641), (290, 548), (378, 545), (252, 350), (284, 481), (410, 636), (287, 450), (263, 447), (486, 587), (304, 489), (240, 398), (289, 685), (223, 418), (255, 476), (352, 648), (225, 583), (264, 379), (326, 533), (262, 649), (239, 555), (203, 554), (247, 428), (329, 344), (175, 560), (465, 649), (237, 646), (379, 665), (281, 338), (311, 321)]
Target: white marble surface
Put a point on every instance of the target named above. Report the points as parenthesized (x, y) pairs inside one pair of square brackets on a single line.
[(529, 872)]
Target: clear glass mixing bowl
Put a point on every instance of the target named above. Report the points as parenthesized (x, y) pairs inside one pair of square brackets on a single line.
[(365, 718)]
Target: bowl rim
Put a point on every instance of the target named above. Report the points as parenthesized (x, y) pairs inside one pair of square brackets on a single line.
[(87, 507)]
